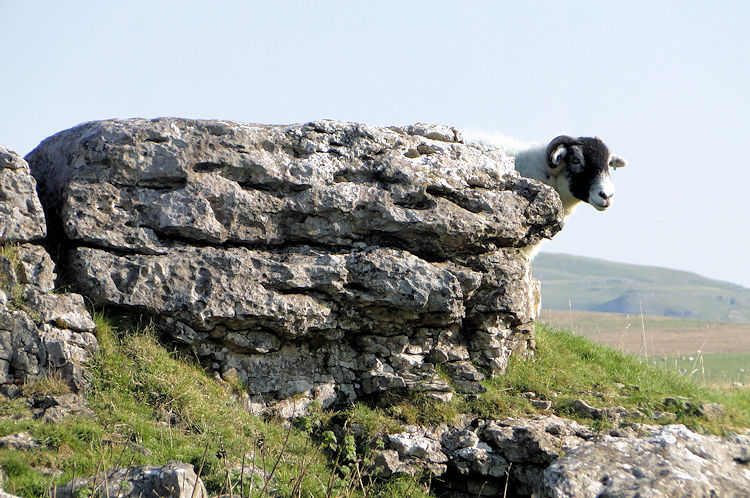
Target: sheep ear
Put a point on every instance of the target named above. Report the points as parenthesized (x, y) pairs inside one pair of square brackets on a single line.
[(617, 162), (556, 152), (557, 159)]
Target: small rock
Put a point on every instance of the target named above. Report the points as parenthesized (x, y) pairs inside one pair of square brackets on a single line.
[(22, 441), (386, 463), (712, 410), (445, 397), (584, 409), (522, 442), (175, 479), (467, 439), (472, 454), (541, 404), (53, 409), (411, 445)]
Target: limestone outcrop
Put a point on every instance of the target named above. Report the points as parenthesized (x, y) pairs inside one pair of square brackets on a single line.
[(555, 457), (324, 261), (41, 333)]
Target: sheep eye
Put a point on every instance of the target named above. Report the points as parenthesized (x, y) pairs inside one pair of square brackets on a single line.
[(575, 160)]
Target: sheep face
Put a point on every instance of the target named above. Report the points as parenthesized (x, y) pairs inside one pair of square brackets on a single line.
[(580, 167)]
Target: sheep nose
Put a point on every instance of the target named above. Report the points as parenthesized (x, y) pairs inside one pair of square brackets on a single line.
[(606, 195)]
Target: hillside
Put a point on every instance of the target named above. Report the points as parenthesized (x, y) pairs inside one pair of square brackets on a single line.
[(588, 284)]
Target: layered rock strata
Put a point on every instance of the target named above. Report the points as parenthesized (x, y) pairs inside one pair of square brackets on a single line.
[(42, 333), (325, 261)]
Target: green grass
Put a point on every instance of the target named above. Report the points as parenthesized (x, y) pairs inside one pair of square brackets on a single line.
[(152, 406), (712, 369), (10, 259), (569, 367)]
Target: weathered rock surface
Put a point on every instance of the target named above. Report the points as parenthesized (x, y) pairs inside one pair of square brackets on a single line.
[(555, 457), (21, 214), (173, 480), (671, 461), (329, 260), (41, 333), (55, 408)]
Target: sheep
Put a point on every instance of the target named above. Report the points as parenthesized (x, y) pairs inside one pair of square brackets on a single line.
[(577, 168)]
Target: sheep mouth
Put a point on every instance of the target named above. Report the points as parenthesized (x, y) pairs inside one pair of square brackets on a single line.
[(602, 205)]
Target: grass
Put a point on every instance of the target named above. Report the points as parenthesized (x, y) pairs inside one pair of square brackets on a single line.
[(569, 367), (152, 406), (707, 351), (712, 368), (10, 276)]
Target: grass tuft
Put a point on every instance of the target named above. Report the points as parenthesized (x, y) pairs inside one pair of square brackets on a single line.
[(568, 367)]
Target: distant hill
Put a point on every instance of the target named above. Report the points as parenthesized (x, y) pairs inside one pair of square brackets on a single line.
[(588, 284)]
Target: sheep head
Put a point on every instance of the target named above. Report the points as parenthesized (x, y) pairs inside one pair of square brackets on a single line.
[(581, 167)]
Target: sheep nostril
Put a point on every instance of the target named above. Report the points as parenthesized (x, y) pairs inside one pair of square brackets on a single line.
[(605, 195)]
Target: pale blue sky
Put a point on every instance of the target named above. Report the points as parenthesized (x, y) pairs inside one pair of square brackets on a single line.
[(666, 84)]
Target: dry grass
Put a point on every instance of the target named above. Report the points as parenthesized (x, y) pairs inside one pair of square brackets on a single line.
[(663, 335)]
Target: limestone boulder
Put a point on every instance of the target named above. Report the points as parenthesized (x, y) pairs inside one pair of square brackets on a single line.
[(670, 461), (293, 257)]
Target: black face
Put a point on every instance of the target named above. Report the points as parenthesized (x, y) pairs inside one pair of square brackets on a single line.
[(585, 163), (585, 172)]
